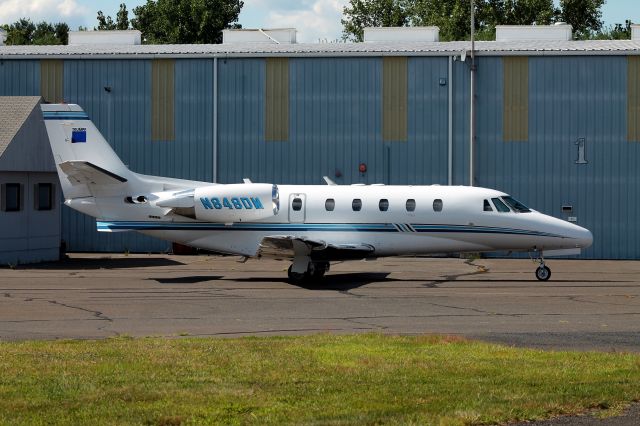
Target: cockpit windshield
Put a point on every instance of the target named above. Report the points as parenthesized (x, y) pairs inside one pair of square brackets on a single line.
[(516, 205)]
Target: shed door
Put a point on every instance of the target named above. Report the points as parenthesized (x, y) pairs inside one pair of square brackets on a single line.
[(296, 207)]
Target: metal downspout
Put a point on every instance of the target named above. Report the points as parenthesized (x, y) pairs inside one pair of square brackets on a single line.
[(472, 111), (450, 126), (215, 119)]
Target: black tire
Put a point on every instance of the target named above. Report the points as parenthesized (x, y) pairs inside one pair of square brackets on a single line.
[(295, 277), (543, 273)]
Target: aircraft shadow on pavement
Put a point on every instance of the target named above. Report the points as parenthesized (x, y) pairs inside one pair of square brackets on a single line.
[(187, 280), (104, 263), (334, 282)]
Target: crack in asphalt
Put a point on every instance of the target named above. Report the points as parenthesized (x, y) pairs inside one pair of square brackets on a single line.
[(99, 316)]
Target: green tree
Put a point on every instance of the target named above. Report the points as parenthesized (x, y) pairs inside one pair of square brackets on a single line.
[(105, 23), (25, 32), (186, 21), (122, 18), (359, 14), (584, 16)]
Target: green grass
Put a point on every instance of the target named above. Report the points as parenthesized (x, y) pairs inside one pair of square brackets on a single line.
[(321, 379)]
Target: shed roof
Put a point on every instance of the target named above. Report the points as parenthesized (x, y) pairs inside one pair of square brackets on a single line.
[(483, 48), (14, 112), (24, 144)]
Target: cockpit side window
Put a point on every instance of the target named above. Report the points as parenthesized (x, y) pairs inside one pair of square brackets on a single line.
[(487, 206), (516, 205), (500, 206)]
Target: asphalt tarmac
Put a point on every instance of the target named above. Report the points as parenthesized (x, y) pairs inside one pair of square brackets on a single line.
[(587, 305)]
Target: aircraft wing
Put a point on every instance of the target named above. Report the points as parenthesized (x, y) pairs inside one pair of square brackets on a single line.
[(286, 246), (83, 172)]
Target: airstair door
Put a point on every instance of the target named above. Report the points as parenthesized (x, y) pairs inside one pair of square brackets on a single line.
[(297, 207)]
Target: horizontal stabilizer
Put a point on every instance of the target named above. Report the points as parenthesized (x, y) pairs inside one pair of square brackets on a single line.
[(83, 172)]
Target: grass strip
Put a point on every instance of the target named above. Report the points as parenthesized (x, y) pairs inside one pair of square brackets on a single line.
[(320, 379)]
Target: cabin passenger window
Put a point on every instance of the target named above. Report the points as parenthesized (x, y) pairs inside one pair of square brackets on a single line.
[(411, 205), (11, 197), (437, 205), (383, 205), (44, 194), (356, 205), (330, 204), (487, 206), (500, 206), (296, 204)]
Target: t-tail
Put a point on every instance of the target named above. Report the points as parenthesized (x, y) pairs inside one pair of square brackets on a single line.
[(96, 182)]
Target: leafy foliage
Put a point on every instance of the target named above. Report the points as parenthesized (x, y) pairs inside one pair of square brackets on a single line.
[(24, 32), (186, 21), (584, 16), (453, 16), (105, 23)]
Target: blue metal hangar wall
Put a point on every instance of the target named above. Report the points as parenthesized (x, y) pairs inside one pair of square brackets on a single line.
[(558, 123)]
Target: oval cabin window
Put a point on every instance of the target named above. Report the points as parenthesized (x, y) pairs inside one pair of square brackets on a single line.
[(383, 205), (356, 205), (330, 204), (411, 205), (437, 205), (296, 204)]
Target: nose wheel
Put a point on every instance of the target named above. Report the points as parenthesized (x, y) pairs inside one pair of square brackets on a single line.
[(543, 273)]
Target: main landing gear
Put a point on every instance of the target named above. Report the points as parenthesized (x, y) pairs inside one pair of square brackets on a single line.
[(543, 273), (314, 272)]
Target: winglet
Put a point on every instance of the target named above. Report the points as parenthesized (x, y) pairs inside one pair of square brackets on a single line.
[(329, 181)]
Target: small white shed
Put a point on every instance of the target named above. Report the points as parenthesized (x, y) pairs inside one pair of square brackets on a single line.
[(29, 191)]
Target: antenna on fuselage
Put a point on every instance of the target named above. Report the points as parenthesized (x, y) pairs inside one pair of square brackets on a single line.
[(329, 181)]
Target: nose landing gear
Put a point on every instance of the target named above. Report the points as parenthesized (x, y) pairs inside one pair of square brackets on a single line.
[(543, 273)]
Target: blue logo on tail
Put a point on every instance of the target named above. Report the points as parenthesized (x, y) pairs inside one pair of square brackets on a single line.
[(79, 135)]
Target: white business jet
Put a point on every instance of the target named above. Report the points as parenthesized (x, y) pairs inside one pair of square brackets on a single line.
[(310, 224)]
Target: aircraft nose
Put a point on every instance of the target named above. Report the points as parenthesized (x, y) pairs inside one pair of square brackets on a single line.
[(584, 237)]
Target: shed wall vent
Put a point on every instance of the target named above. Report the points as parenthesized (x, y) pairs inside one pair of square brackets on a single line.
[(119, 37), (558, 32), (635, 32), (391, 34), (258, 35)]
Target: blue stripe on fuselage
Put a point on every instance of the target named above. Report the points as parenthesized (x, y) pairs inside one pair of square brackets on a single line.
[(325, 227)]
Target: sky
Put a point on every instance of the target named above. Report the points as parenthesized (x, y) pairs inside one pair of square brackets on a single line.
[(315, 20)]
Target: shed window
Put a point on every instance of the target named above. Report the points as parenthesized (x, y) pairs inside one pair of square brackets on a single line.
[(330, 204), (500, 206), (437, 205), (44, 196), (487, 206), (296, 204), (383, 205), (11, 197), (411, 205), (356, 204)]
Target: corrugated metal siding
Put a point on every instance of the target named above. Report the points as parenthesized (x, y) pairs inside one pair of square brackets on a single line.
[(516, 99), (571, 98), (19, 78), (277, 99), (124, 118), (51, 80), (394, 98), (633, 98), (191, 156), (461, 89), (162, 99)]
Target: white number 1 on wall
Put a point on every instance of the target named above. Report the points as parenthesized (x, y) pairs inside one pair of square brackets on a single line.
[(581, 151)]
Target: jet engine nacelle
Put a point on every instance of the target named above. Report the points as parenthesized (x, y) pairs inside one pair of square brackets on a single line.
[(236, 202)]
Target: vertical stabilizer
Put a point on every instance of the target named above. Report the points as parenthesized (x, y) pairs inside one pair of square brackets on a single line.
[(75, 143)]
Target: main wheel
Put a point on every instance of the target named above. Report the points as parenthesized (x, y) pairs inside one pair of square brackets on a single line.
[(296, 277), (543, 273)]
